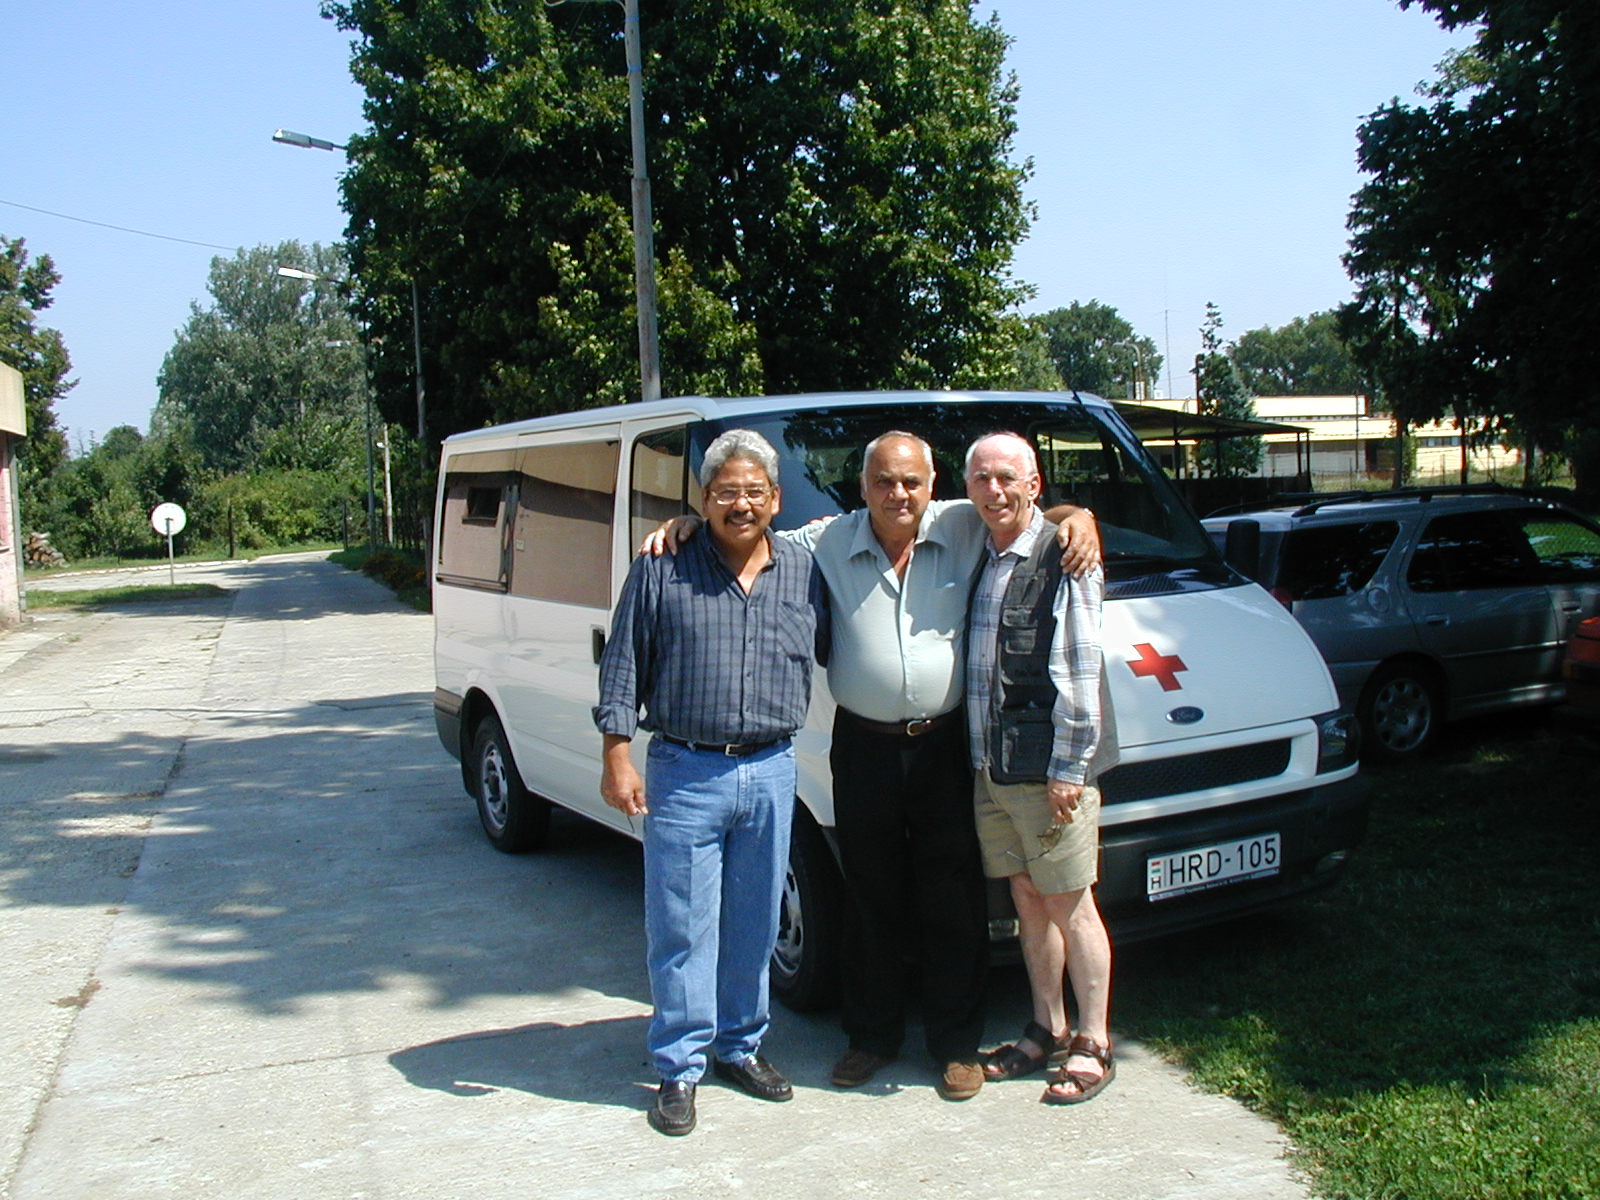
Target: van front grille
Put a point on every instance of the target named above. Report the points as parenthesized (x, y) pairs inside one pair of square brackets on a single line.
[(1193, 772)]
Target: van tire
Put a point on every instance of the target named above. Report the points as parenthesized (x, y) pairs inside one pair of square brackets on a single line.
[(805, 961), (1401, 709), (514, 819)]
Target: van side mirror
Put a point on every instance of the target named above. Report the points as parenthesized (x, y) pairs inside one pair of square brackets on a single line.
[(1242, 549)]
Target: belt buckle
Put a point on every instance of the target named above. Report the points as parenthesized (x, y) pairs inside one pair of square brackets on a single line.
[(732, 750), (918, 727)]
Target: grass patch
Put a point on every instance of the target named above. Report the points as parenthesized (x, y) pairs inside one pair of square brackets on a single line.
[(137, 594), (1430, 1027), (399, 570)]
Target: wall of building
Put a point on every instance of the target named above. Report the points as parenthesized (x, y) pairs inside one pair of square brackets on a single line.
[(13, 427)]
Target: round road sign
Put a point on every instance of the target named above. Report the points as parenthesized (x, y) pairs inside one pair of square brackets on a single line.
[(168, 518)]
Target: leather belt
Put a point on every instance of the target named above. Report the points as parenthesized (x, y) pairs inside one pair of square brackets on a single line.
[(731, 749), (914, 728)]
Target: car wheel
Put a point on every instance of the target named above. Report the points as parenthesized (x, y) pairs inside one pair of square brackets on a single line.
[(514, 819), (805, 961), (1400, 712)]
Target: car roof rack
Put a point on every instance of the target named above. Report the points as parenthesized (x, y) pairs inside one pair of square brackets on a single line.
[(1309, 502)]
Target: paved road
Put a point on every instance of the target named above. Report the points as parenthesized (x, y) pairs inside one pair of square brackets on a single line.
[(254, 945)]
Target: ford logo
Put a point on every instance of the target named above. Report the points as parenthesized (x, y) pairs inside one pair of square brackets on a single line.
[(1187, 715)]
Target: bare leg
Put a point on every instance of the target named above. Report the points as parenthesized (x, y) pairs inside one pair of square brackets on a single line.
[(1088, 949), (1044, 952)]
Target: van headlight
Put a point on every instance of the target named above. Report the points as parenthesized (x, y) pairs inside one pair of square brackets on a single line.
[(1338, 741)]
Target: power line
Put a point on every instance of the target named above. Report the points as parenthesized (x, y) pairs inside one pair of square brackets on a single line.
[(119, 228)]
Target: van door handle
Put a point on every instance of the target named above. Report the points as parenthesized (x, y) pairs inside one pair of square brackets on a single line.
[(597, 637), (1438, 621)]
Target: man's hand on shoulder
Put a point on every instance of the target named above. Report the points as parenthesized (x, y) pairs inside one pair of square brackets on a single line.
[(1079, 536), (669, 535)]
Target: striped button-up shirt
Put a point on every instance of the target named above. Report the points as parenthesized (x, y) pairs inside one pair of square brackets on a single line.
[(705, 661), (1076, 661)]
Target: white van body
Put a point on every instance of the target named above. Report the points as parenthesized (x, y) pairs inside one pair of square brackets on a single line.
[(1236, 785)]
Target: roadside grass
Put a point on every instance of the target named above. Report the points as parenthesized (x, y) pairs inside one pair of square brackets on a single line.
[(139, 594), (400, 570), (1430, 1028)]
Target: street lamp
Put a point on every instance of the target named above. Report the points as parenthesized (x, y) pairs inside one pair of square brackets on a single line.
[(372, 517), (644, 254), (306, 142)]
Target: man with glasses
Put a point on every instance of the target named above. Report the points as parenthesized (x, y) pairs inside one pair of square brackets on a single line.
[(716, 646), (1035, 711)]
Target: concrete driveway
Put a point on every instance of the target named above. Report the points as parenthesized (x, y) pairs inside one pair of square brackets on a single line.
[(254, 945)]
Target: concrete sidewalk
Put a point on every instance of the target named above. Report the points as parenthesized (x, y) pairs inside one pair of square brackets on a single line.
[(255, 945)]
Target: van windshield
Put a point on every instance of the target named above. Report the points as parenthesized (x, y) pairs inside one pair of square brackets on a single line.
[(1087, 457)]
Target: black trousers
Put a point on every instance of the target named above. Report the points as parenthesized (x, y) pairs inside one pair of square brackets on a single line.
[(917, 896)]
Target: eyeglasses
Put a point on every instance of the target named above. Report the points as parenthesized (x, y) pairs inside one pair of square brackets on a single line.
[(1048, 841), (730, 496)]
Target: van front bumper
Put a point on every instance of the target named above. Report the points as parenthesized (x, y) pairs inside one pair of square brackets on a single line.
[(1317, 828)]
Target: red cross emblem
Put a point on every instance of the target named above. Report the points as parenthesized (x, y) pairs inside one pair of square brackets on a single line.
[(1164, 667)]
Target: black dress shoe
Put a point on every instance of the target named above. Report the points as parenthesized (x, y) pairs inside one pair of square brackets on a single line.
[(756, 1076), (673, 1113)]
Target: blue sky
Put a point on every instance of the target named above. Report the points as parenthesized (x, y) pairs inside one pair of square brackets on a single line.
[(1183, 152)]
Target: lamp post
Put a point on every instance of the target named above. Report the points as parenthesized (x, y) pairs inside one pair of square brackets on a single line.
[(644, 253), (366, 395), (306, 142)]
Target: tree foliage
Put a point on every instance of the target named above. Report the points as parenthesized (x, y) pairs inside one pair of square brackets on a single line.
[(834, 205), (1094, 350), (269, 374), (1306, 357), (39, 354), (1220, 392), (1474, 244)]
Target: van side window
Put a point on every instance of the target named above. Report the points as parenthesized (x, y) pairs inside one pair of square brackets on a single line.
[(561, 540), (660, 488), (472, 530), (1470, 550)]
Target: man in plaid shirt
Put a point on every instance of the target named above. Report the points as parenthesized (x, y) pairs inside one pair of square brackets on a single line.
[(1035, 726)]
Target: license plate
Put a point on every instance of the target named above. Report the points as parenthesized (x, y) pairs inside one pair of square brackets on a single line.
[(1168, 875)]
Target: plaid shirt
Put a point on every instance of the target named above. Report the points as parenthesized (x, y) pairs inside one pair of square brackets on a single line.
[(1076, 661), (705, 661)]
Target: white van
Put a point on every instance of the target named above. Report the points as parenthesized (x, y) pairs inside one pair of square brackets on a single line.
[(1237, 783)]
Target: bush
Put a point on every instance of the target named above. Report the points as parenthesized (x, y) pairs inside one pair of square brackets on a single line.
[(397, 570)]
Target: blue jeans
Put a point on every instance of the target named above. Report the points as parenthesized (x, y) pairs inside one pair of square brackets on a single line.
[(716, 847)]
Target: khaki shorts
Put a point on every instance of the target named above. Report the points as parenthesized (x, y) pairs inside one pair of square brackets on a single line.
[(1012, 819)]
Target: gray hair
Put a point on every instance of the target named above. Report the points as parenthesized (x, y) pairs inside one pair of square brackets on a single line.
[(896, 435), (1023, 444), (739, 443)]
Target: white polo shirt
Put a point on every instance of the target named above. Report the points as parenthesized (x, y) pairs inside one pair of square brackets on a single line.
[(899, 646)]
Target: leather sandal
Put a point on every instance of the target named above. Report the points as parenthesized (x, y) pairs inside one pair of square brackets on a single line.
[(1009, 1062), (1088, 1086)]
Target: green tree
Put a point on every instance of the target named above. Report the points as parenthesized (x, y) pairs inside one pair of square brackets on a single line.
[(834, 205), (1474, 242), (1306, 357), (39, 354), (1220, 392), (270, 373), (1095, 350)]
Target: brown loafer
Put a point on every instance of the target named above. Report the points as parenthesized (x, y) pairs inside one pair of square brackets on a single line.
[(857, 1067), (962, 1079)]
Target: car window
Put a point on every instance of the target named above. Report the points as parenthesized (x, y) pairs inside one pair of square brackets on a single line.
[(1462, 551), (1321, 561), (1566, 549)]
